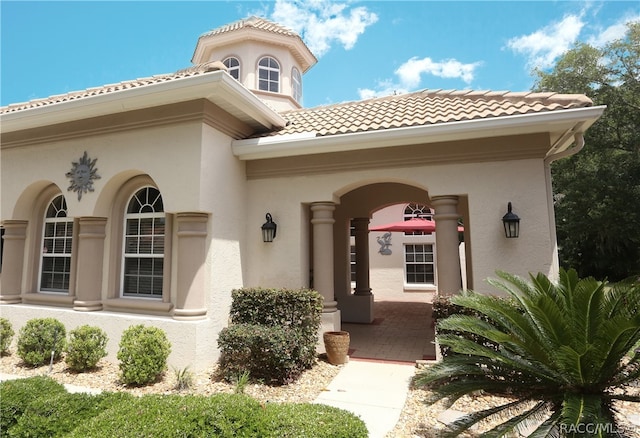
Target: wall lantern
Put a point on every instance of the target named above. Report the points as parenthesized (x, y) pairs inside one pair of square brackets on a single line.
[(511, 223), (269, 229)]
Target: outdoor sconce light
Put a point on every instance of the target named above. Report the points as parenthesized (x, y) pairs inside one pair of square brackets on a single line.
[(511, 223), (269, 229)]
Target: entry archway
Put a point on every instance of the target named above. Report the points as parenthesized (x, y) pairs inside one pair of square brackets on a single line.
[(377, 321)]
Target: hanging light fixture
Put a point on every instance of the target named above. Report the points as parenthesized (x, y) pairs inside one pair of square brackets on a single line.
[(269, 229), (511, 223)]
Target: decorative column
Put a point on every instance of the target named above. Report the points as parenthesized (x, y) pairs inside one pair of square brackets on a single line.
[(448, 256), (15, 235), (90, 254), (322, 220), (191, 258), (361, 227)]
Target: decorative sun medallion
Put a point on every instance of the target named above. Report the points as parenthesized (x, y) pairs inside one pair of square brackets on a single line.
[(82, 174)]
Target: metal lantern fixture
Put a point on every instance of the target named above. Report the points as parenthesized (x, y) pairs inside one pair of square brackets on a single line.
[(511, 223), (269, 229)]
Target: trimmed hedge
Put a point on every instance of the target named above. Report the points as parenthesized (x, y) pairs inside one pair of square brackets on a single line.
[(220, 415), (269, 354), (39, 407), (50, 416), (273, 334), (18, 394)]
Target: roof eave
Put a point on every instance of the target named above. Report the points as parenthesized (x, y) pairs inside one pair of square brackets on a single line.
[(575, 120), (217, 87)]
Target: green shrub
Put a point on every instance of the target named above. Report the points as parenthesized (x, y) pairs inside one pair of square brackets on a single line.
[(273, 336), (220, 415), (85, 348), (268, 354), (6, 335), (143, 354), (289, 420), (57, 415), (299, 309), (18, 394), (39, 338)]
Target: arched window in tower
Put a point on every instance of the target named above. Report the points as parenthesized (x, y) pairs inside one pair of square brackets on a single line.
[(233, 67), (144, 245), (57, 239), (269, 75), (296, 84)]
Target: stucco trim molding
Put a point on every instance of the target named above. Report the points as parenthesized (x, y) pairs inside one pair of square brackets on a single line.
[(282, 146), (137, 305)]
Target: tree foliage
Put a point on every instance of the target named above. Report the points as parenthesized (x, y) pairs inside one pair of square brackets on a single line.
[(597, 191)]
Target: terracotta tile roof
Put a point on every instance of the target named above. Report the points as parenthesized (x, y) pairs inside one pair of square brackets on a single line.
[(412, 109), (422, 108), (111, 88), (253, 22)]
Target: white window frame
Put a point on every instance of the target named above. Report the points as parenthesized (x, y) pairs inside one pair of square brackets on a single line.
[(420, 258), (271, 72), (296, 85), (233, 70), (156, 238), (56, 247)]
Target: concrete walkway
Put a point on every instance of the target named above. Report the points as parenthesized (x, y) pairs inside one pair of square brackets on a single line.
[(373, 390)]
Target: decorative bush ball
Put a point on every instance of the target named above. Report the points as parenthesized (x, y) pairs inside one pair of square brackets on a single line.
[(85, 348), (143, 354), (40, 340), (6, 335)]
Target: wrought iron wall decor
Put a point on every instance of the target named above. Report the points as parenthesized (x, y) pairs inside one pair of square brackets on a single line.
[(82, 174)]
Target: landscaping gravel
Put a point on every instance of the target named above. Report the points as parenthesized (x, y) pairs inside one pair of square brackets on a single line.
[(417, 420)]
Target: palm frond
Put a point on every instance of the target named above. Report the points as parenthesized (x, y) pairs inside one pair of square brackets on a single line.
[(521, 422), (550, 427), (466, 422)]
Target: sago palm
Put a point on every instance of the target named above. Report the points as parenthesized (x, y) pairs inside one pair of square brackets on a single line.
[(561, 352)]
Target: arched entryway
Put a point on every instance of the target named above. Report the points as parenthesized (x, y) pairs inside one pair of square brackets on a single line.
[(394, 326)]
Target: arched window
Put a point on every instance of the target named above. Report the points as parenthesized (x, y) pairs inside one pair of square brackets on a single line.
[(296, 83), (57, 241), (233, 67), (417, 210), (269, 75), (144, 233)]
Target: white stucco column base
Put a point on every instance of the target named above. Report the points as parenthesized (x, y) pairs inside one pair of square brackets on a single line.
[(189, 314), (357, 308), (330, 322)]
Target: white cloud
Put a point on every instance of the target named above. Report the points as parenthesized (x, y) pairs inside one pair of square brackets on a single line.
[(384, 88), (322, 22), (411, 71), (614, 32), (545, 45), (410, 75)]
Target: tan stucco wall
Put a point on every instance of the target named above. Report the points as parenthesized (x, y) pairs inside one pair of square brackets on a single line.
[(192, 164), (488, 187)]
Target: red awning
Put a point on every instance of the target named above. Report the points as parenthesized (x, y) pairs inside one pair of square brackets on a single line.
[(412, 225)]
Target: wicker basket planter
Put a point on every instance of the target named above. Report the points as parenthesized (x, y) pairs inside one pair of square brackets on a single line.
[(336, 345)]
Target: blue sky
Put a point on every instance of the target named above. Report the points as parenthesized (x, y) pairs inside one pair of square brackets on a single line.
[(364, 48)]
